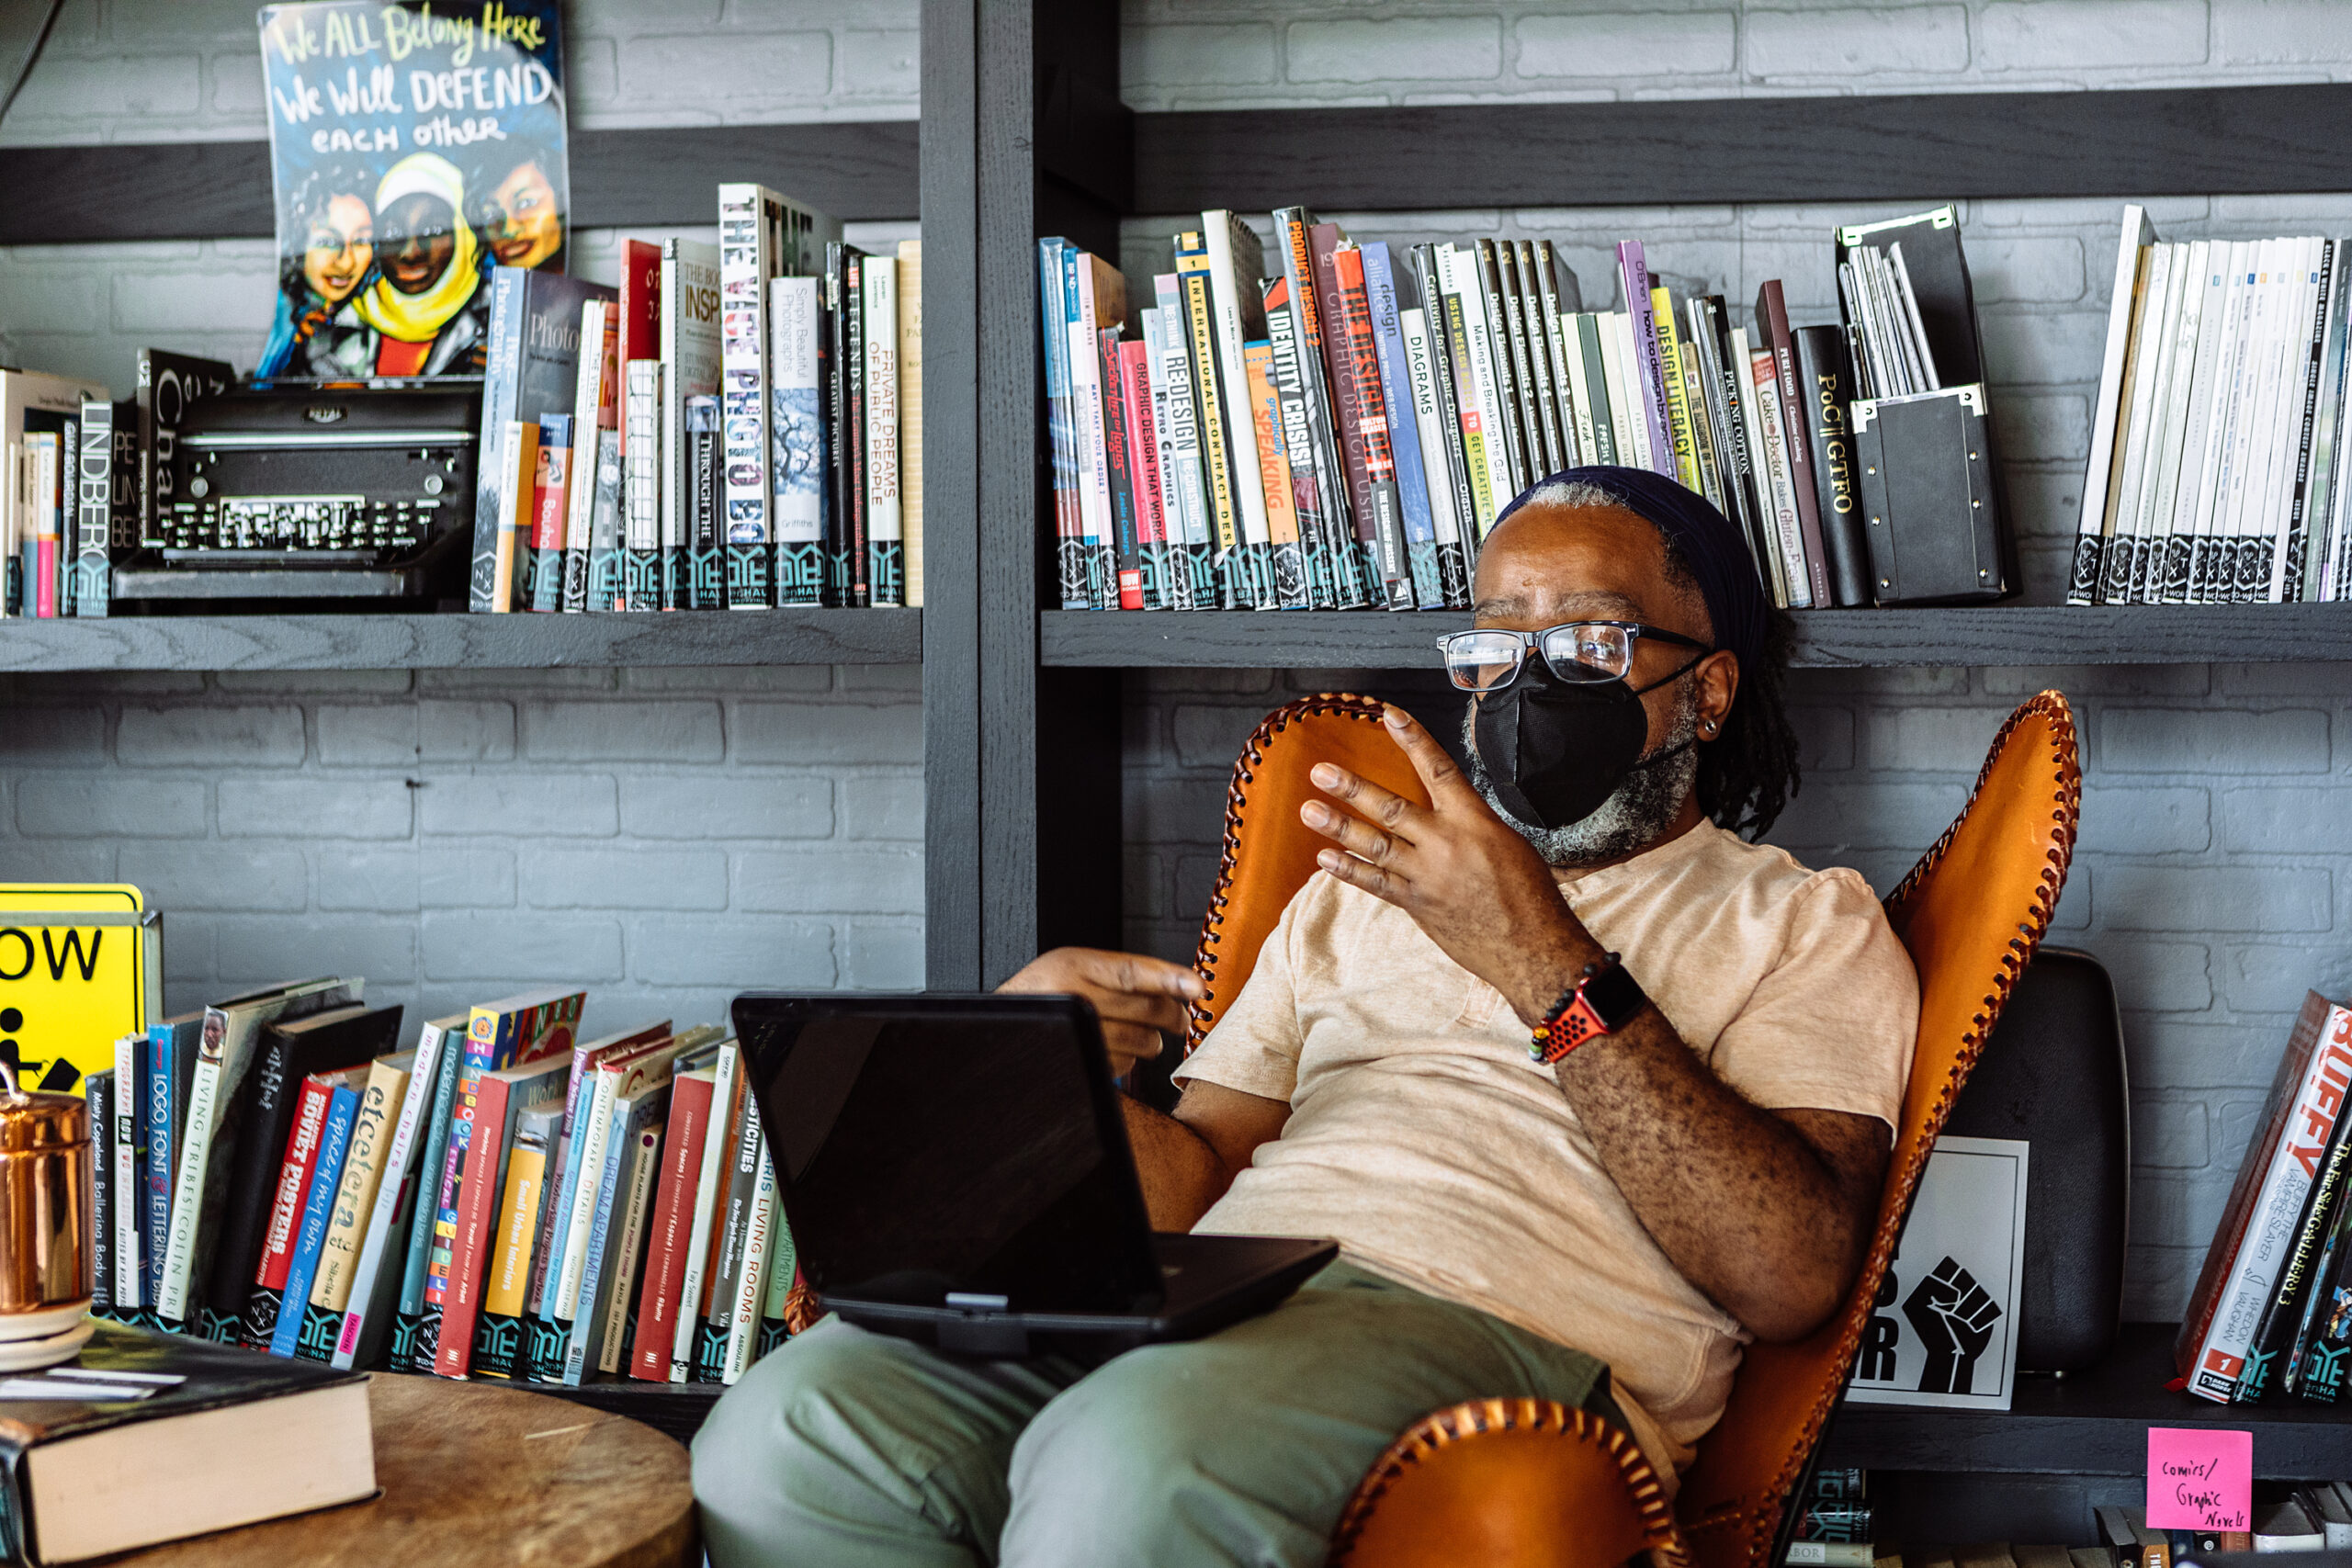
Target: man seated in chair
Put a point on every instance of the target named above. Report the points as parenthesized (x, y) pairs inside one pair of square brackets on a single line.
[(1591, 1091)]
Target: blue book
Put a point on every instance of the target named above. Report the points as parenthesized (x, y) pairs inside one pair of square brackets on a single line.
[(318, 1208), (172, 1049), (1404, 433), (410, 1310)]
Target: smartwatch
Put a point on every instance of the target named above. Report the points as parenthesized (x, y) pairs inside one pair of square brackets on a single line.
[(1603, 1000)]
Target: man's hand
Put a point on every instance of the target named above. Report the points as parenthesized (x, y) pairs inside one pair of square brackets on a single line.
[(1471, 884), (1136, 998)]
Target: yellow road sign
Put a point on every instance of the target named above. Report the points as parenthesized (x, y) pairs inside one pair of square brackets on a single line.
[(79, 967)]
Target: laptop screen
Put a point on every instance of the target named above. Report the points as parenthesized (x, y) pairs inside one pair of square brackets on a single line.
[(933, 1146)]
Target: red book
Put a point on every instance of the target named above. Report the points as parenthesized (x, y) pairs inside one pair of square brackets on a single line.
[(1118, 462), (286, 1204), (1796, 410), (478, 1195), (640, 300), (658, 1300), (1143, 451), (1323, 241), (551, 486)]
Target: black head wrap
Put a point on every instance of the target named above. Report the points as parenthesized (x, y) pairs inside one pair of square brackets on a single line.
[(1707, 541)]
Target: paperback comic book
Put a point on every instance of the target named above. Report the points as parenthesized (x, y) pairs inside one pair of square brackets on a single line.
[(412, 148)]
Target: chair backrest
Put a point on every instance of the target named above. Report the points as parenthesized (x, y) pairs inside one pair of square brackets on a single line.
[(1971, 913)]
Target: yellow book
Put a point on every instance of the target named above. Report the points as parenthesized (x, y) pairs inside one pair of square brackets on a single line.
[(516, 510), (363, 1172), (1677, 395), (910, 414), (518, 1225)]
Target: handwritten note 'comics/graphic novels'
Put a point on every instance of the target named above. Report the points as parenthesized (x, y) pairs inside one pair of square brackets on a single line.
[(413, 147)]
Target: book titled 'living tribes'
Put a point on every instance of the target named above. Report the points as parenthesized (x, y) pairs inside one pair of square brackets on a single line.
[(412, 148)]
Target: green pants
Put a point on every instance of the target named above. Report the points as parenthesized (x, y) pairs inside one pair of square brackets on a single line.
[(856, 1449)]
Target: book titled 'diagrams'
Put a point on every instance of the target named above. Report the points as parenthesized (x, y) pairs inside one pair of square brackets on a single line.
[(146, 1438)]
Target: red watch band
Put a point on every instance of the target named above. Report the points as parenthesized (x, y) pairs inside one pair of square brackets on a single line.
[(1574, 1018)]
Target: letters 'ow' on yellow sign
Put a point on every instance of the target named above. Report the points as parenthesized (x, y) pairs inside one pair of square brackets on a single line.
[(79, 967)]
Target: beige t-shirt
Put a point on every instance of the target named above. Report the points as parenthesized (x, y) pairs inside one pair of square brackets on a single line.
[(1426, 1141)]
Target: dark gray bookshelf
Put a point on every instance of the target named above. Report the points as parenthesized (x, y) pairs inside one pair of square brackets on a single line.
[(461, 641), (1827, 639)]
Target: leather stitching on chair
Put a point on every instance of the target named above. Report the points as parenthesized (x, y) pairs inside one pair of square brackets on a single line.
[(1344, 705), (1764, 1519), (1428, 1436)]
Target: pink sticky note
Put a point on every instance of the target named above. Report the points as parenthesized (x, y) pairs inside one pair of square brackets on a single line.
[(2200, 1479)]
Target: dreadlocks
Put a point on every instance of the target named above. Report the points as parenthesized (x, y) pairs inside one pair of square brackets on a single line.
[(1750, 772)]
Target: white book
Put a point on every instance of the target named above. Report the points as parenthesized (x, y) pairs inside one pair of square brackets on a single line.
[(1092, 439), (1777, 575), (797, 430), (1918, 329), (2169, 423), (1429, 429), (743, 1321), (887, 570), (129, 1106), (726, 1089), (2319, 484), (641, 467), (2338, 568), (2245, 414), (594, 408), (2212, 485), (1181, 433), (2092, 529), (231, 1028), (1481, 396), (2250, 521), (1236, 260), (2179, 517), (2306, 333), (1765, 378), (2152, 343), (2270, 1224), (690, 368), (1627, 388), (434, 1046), (762, 235)]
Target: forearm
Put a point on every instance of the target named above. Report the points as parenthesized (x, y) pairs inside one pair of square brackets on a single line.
[(1182, 1176), (1745, 1207)]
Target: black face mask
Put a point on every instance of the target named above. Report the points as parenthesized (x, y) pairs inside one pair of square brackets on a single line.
[(1556, 749)]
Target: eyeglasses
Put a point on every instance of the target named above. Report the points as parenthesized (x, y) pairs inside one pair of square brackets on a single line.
[(1488, 658)]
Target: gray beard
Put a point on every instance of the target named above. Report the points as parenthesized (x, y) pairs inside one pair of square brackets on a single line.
[(1633, 819)]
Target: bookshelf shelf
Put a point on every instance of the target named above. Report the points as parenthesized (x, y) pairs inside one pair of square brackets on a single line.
[(2090, 1423), (454, 641), (1827, 639), (678, 1409)]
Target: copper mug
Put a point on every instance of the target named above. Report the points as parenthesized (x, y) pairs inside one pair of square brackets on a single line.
[(45, 1202)]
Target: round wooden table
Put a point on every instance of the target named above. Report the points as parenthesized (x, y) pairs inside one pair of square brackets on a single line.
[(476, 1474)]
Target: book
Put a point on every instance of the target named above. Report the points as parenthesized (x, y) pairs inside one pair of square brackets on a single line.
[(624, 1219), (690, 369), (1823, 379), (601, 572), (500, 1035), (311, 1097), (640, 313), (751, 1285), (2282, 1526), (640, 587), (1508, 408), (469, 1334), (886, 560), (1236, 262), (1151, 560), (1056, 298), (1450, 359), (1335, 571), (1474, 378), (1447, 493), (168, 385), (705, 585), (596, 410), (1796, 578), (723, 1128), (1775, 338), (353, 1204), (910, 414), (168, 1074), (551, 512), (1125, 569), (2267, 1356), (533, 371), (797, 458), (83, 1445), (1228, 564), (446, 1037), (2280, 1163), (753, 250), (1527, 293), (1287, 558), (219, 1104), (97, 1092), (1417, 521), (500, 1347), (1353, 361), (1681, 433), (1184, 492), (854, 585), (1303, 574), (318, 1204), (671, 1231), (1648, 367), (368, 1314), (131, 1299), (106, 488), (731, 1238)]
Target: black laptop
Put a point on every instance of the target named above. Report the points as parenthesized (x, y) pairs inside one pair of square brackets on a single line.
[(955, 1169)]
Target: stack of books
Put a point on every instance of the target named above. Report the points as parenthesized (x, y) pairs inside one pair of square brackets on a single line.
[(505, 1200), (736, 427), (2215, 473), (69, 491), (2271, 1315), (1339, 426), (1833, 1521)]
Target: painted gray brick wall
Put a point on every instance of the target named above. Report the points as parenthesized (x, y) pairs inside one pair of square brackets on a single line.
[(665, 837), (2211, 878)]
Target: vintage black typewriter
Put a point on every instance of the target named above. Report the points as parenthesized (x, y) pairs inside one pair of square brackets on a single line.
[(298, 492)]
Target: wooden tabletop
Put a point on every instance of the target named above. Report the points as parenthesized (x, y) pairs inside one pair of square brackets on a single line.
[(475, 1473)]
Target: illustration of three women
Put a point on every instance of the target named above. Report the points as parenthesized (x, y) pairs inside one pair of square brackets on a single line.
[(394, 280)]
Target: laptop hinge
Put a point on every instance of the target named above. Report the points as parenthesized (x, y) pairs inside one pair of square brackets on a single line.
[(983, 1335)]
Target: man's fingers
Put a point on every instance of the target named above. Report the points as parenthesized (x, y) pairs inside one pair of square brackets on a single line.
[(1363, 875), (1144, 1011), (1390, 810), (1130, 1041), (1358, 838), (1136, 974), (1443, 780)]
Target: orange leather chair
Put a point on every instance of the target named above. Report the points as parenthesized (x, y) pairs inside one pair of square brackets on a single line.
[(1532, 1483)]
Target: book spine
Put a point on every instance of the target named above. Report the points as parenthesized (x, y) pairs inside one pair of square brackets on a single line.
[(729, 1104), (1080, 327), (584, 1181), (1454, 563), (596, 1284), (506, 1281), (267, 1302), (1416, 519), (1336, 575), (1053, 322), (1316, 558), (1784, 493), (355, 1203), (2220, 1359), (132, 1055), (1274, 467), (1559, 335), (1208, 400), (751, 1287), (706, 587), (471, 1236), (1440, 480), (500, 371), (1825, 381), (630, 1246), (1175, 586), (796, 366), (2323, 1348), (734, 1239), (1143, 478), (97, 1090), (1451, 358), (1485, 439), (1373, 431), (2288, 565), (1772, 320), (423, 1235), (1509, 413), (518, 465), (640, 577), (860, 539), (1524, 318), (162, 1121), (1348, 405), (1117, 458), (886, 544), (489, 1045), (601, 572), (592, 415), (910, 414), (395, 1191), (749, 241), (1196, 559), (1648, 367), (550, 512), (1680, 432), (93, 489), (665, 1263), (1235, 264), (1540, 367), (318, 1203), (2282, 1313)]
